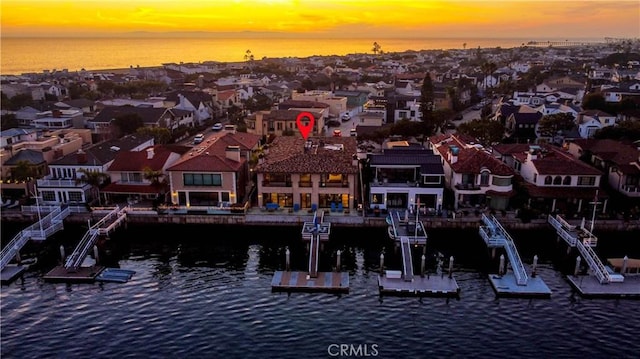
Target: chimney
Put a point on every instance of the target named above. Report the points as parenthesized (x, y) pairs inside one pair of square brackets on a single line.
[(56, 113), (233, 153), (81, 156), (150, 153)]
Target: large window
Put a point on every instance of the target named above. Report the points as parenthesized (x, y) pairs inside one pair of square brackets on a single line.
[(75, 196), (586, 181), (48, 195), (202, 179), (484, 178), (501, 181), (432, 179), (131, 177)]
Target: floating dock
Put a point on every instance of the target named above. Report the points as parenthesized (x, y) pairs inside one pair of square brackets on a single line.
[(11, 272), (316, 233), (516, 283), (618, 280), (80, 275), (407, 231)]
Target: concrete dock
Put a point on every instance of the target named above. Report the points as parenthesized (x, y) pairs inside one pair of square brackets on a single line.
[(590, 287), (392, 283), (330, 282)]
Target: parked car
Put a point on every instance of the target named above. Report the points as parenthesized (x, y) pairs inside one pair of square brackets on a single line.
[(353, 132), (346, 117), (337, 133), (198, 139), (217, 127)]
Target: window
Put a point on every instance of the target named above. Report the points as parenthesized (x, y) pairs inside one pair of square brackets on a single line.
[(202, 179), (128, 177), (535, 178), (75, 196), (224, 196), (501, 181), (566, 181), (586, 181), (557, 181), (484, 178), (548, 180), (48, 195), (432, 179)]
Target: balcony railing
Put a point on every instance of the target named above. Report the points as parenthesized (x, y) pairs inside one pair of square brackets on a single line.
[(334, 184), (276, 183), (468, 186), (64, 183), (305, 184), (633, 190)]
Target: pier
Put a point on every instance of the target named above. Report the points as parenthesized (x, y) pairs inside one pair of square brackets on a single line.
[(72, 270), (600, 280), (515, 283), (39, 231), (316, 233), (407, 231)]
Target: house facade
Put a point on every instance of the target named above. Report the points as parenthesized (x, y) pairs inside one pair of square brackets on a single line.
[(406, 176), (280, 122), (474, 176), (317, 173)]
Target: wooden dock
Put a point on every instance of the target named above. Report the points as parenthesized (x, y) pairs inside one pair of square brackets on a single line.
[(507, 286), (80, 275), (329, 282), (590, 287), (428, 286)]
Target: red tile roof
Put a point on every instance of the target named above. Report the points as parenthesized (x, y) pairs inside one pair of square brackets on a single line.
[(470, 158), (210, 156), (136, 161), (287, 155), (557, 162), (617, 152)]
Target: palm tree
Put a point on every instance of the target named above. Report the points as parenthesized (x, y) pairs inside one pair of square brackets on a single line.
[(94, 179), (248, 56), (464, 46), (22, 171), (152, 175)]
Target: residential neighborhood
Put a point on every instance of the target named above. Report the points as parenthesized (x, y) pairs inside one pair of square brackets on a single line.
[(533, 130)]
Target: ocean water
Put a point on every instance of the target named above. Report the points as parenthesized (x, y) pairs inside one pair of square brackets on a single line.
[(22, 55), (204, 292)]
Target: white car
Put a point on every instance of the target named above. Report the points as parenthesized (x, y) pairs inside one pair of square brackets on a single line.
[(346, 117), (198, 139), (217, 127)]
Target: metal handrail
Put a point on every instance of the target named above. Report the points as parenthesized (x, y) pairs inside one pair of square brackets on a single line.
[(594, 263)]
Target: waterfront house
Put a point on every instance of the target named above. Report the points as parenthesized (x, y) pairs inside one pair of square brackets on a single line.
[(618, 160), (75, 177), (321, 172), (215, 173), (552, 178), (474, 176), (405, 175), (141, 175)]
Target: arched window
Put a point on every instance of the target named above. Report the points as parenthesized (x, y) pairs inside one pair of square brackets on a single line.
[(484, 178), (566, 181), (547, 180), (557, 180)]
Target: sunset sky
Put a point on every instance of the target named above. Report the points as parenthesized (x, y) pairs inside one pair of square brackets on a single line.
[(340, 18)]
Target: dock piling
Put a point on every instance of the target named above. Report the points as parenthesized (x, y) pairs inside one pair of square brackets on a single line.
[(96, 253), (577, 269), (624, 265), (381, 263), (18, 259), (338, 260), (535, 266), (287, 259), (451, 267), (501, 266), (422, 265), (62, 254)]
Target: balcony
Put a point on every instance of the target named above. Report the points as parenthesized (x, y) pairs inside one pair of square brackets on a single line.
[(60, 183), (468, 187), (276, 183), (630, 190), (334, 184), (305, 184)]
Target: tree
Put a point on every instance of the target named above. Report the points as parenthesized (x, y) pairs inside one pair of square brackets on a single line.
[(549, 125), (625, 130), (128, 123), (22, 171), (594, 101), (376, 48), (161, 135), (95, 179), (427, 100), (152, 175), (488, 68), (487, 132), (9, 121)]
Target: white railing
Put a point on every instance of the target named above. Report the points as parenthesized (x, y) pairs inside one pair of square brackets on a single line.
[(407, 262), (594, 263), (562, 230), (77, 257), (512, 252), (314, 250), (12, 248)]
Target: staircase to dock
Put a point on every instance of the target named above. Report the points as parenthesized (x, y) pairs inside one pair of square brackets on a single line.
[(407, 262), (584, 241), (314, 252), (494, 236), (39, 231)]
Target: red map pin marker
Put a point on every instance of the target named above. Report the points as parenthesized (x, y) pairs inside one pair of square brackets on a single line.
[(305, 130)]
